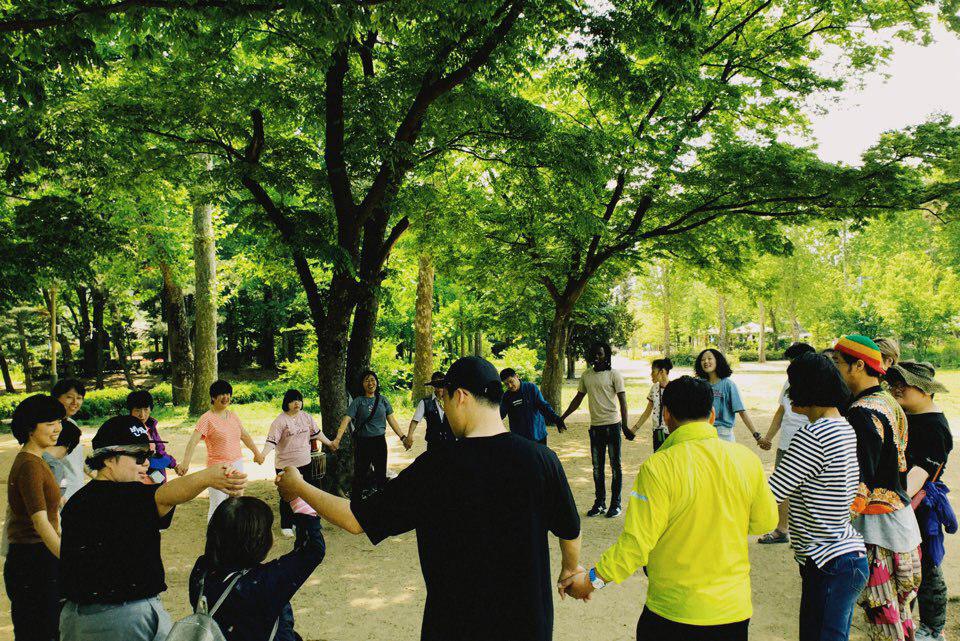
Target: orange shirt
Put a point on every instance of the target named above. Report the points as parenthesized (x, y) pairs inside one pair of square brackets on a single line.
[(222, 435)]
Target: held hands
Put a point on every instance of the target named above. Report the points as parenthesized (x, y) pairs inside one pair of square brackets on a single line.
[(287, 482), (226, 479), (561, 426), (407, 442), (765, 443), (575, 583), (333, 446), (259, 458), (182, 469)]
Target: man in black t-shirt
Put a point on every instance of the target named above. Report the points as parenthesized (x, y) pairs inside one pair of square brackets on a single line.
[(482, 509), (928, 446), (111, 573)]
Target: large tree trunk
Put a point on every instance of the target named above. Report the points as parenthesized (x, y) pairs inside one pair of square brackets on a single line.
[(98, 299), (762, 340), (722, 320), (553, 368), (24, 354), (181, 357), (51, 296), (5, 369), (332, 333), (423, 328), (267, 346), (360, 347), (205, 308)]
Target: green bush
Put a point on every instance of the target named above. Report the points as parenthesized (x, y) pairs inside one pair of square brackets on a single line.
[(100, 403), (522, 359), (945, 355)]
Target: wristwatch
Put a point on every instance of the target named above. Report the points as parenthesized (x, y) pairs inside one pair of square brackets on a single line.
[(595, 580), (756, 436)]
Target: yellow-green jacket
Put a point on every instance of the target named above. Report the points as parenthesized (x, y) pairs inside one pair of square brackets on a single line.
[(692, 506)]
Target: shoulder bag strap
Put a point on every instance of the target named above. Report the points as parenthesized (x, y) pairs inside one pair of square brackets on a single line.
[(226, 592), (373, 410)]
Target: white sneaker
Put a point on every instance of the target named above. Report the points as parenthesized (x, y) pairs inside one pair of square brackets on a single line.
[(926, 634), (287, 532)]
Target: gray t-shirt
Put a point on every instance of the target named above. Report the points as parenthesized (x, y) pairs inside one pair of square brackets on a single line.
[(359, 410), (897, 531), (601, 389)]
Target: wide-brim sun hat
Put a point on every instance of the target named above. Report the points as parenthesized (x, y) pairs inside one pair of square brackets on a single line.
[(919, 375)]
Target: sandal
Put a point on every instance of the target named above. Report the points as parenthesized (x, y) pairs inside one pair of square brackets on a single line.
[(774, 537)]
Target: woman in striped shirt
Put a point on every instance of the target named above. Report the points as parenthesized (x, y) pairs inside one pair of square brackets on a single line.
[(819, 474)]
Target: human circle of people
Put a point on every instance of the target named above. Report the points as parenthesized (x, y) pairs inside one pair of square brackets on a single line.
[(857, 478)]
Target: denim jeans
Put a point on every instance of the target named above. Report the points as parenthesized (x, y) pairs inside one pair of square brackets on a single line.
[(143, 620), (829, 595), (605, 439)]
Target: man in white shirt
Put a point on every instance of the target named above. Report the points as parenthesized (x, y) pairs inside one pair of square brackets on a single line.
[(608, 417), (431, 408), (787, 422)]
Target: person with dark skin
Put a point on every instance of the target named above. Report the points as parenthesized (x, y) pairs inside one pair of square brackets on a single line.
[(608, 419)]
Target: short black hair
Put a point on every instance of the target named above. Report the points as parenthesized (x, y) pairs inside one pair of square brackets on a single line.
[(723, 367), (796, 350), (364, 374), (39, 408), (290, 396), (607, 355), (662, 363), (219, 387), (69, 435), (139, 398), (64, 385), (507, 372), (813, 379), (688, 398), (850, 360), (239, 534)]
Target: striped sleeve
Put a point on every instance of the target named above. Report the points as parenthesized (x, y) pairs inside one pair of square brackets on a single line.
[(802, 460)]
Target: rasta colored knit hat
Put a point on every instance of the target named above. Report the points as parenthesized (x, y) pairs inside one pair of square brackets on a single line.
[(863, 348)]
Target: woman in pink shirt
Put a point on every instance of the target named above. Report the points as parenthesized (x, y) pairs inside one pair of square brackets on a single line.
[(223, 433), (292, 433)]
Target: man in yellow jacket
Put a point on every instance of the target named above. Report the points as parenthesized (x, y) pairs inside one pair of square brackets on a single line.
[(692, 506)]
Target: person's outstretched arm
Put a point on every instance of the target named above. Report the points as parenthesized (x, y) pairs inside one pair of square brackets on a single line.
[(183, 468), (333, 508), (547, 410), (186, 488), (258, 457), (574, 404), (766, 442), (643, 417)]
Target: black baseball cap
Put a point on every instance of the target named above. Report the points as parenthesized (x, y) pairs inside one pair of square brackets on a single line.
[(121, 433), (476, 375), (436, 380)]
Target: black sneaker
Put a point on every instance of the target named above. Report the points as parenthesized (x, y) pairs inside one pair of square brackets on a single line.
[(614, 511), (597, 509)]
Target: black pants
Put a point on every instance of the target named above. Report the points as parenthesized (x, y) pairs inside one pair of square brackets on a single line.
[(606, 439), (286, 514), (369, 451), (932, 595), (653, 627), (30, 575)]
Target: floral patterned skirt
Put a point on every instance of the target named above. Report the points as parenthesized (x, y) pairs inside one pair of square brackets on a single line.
[(891, 589)]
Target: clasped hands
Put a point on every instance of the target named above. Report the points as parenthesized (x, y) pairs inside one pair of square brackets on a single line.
[(575, 583)]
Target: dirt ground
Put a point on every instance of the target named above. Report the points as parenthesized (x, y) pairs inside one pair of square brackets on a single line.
[(362, 592)]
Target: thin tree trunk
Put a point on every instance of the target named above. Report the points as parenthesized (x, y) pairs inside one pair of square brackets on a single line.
[(478, 344), (571, 366), (722, 320), (119, 341), (98, 299), (7, 381), (67, 353), (666, 311), (267, 347), (52, 310), (24, 354), (762, 341), (204, 366), (87, 350), (181, 358), (423, 327)]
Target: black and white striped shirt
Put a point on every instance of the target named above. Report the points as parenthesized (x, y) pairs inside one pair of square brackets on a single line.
[(819, 474)]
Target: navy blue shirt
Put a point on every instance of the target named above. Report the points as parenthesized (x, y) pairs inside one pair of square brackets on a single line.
[(262, 595), (527, 408)]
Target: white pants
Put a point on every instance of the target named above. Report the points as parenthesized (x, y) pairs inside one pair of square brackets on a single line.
[(216, 496)]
